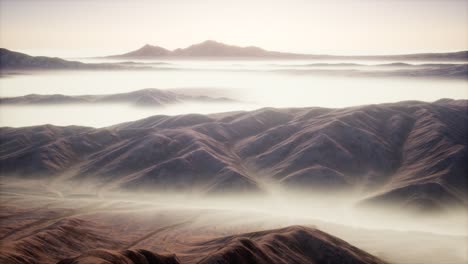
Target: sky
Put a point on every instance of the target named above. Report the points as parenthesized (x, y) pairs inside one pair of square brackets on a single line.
[(346, 27)]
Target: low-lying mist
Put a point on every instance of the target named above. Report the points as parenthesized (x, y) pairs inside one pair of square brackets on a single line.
[(394, 235), (248, 90), (103, 114), (34, 203), (297, 206)]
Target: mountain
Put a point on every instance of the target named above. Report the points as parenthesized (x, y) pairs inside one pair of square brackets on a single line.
[(407, 154), (211, 48), (11, 60), (145, 51), (145, 97), (295, 244)]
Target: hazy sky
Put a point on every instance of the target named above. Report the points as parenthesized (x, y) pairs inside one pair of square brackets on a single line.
[(101, 27)]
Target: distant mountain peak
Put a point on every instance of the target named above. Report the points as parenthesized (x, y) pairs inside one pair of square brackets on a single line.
[(149, 46), (210, 41), (146, 51), (207, 48), (213, 48)]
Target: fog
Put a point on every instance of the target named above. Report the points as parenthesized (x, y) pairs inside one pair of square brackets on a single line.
[(254, 84), (394, 235), (102, 114)]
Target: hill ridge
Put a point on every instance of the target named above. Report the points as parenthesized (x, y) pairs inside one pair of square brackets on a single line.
[(408, 153)]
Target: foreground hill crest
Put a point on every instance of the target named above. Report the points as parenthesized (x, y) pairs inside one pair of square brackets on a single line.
[(294, 244)]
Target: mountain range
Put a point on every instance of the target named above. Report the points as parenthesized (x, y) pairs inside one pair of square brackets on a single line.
[(12, 60), (144, 97), (211, 48), (410, 154), (207, 48)]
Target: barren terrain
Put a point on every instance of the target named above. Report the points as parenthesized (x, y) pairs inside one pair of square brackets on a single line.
[(39, 226)]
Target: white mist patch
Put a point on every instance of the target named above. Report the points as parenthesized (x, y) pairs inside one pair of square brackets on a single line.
[(252, 84), (100, 115), (296, 206)]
